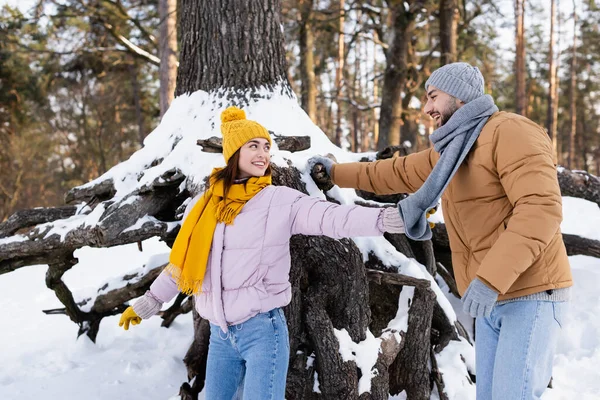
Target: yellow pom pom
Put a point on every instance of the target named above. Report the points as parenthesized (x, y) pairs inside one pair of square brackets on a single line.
[(232, 114)]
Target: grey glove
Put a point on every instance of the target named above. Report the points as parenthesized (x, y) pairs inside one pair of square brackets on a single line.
[(327, 163), (390, 221), (479, 299), (147, 305)]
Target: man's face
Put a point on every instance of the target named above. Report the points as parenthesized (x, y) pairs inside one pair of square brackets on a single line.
[(440, 105)]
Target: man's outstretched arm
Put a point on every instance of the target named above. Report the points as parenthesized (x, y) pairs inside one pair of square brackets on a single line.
[(390, 176)]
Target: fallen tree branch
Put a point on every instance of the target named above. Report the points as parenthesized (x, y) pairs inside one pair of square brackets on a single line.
[(577, 245), (579, 184), (39, 249), (287, 143), (397, 279), (183, 304), (448, 278), (103, 190), (34, 216)]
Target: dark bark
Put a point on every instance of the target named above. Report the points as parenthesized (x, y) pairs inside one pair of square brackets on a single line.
[(27, 218), (579, 184), (448, 25), (390, 347), (107, 304), (183, 304), (195, 359), (448, 278), (288, 143), (39, 249), (396, 71), (437, 378), (101, 191), (135, 86), (308, 96), (572, 93), (551, 116), (410, 370), (220, 46), (577, 245)]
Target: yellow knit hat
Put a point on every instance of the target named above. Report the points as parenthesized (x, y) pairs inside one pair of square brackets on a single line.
[(237, 130)]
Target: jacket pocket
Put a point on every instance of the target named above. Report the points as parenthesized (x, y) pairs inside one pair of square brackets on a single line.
[(499, 231)]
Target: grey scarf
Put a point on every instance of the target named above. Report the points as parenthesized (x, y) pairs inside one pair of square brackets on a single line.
[(453, 141)]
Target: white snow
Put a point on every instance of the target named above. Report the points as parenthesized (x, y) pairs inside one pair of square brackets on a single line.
[(580, 217), (42, 359), (13, 239), (364, 354)]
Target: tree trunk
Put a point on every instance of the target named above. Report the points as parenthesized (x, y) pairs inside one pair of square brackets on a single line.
[(307, 65), (220, 47), (137, 101), (551, 118), (520, 67), (448, 22), (339, 76), (376, 110), (395, 75), (573, 94), (167, 12)]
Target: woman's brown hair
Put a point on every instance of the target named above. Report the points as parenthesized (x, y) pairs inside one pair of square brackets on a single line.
[(229, 174)]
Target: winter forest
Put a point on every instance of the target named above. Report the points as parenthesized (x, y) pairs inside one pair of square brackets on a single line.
[(109, 125)]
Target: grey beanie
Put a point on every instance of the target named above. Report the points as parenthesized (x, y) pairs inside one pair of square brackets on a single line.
[(459, 79)]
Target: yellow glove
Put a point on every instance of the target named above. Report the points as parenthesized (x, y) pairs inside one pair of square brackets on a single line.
[(429, 214), (129, 316)]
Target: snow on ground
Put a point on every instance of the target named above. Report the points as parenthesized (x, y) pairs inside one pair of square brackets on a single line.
[(42, 359)]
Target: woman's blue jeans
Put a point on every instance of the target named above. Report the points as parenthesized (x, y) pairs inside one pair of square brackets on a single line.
[(515, 348), (250, 361)]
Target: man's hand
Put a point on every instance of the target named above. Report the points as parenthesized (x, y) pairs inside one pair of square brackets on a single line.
[(479, 299), (320, 171)]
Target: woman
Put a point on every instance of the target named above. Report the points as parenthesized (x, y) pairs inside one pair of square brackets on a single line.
[(232, 253)]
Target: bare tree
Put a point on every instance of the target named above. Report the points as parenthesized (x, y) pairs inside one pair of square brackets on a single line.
[(551, 119), (448, 25), (573, 94), (339, 74), (396, 71), (520, 68), (308, 95), (168, 52)]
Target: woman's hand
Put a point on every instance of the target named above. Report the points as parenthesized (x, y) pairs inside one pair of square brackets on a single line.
[(129, 317)]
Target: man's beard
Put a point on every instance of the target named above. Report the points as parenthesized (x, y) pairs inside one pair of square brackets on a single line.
[(451, 108)]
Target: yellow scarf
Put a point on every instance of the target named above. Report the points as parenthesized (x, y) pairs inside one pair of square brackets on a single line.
[(189, 255)]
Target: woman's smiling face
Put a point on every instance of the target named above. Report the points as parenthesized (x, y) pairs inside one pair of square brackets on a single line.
[(255, 157)]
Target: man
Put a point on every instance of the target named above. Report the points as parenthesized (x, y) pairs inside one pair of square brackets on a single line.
[(496, 177)]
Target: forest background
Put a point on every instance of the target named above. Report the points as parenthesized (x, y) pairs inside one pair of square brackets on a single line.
[(82, 82)]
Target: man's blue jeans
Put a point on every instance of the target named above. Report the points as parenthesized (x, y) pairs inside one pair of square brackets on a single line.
[(250, 360), (515, 348)]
